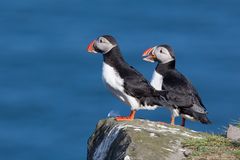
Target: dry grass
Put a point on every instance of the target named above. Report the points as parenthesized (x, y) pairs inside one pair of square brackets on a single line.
[(213, 147)]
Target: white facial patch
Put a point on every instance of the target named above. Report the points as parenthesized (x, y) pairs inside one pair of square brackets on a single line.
[(163, 55), (104, 45)]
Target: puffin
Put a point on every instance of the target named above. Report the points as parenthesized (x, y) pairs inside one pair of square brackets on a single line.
[(183, 98), (123, 80)]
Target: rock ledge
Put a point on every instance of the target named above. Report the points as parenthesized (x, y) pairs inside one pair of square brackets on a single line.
[(138, 140)]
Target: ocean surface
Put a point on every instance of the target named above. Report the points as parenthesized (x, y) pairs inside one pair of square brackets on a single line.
[(51, 89)]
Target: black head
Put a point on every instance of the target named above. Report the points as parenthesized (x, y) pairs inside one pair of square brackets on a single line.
[(102, 44)]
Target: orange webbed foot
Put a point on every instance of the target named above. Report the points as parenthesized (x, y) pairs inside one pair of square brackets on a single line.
[(126, 118), (122, 118)]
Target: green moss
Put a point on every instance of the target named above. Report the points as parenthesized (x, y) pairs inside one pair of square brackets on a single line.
[(236, 153), (238, 124), (213, 147)]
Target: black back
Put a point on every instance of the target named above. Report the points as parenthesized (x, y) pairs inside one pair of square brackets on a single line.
[(181, 91)]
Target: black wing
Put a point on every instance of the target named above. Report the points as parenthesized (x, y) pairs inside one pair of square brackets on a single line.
[(136, 85), (180, 90)]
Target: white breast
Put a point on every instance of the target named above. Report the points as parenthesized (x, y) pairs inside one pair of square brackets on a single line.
[(112, 78), (115, 83), (157, 80)]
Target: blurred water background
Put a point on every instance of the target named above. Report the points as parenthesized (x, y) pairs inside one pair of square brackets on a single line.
[(51, 90)]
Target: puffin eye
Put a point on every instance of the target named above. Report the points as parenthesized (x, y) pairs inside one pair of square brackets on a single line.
[(100, 40), (160, 50)]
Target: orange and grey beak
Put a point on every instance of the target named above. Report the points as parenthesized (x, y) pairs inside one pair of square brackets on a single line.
[(149, 56), (90, 47)]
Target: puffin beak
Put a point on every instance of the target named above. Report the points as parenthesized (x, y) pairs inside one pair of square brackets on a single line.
[(149, 56), (90, 47)]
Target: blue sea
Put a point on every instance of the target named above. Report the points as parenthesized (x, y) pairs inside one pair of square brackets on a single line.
[(51, 89)]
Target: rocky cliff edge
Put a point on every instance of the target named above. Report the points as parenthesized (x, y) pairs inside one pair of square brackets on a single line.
[(138, 140)]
